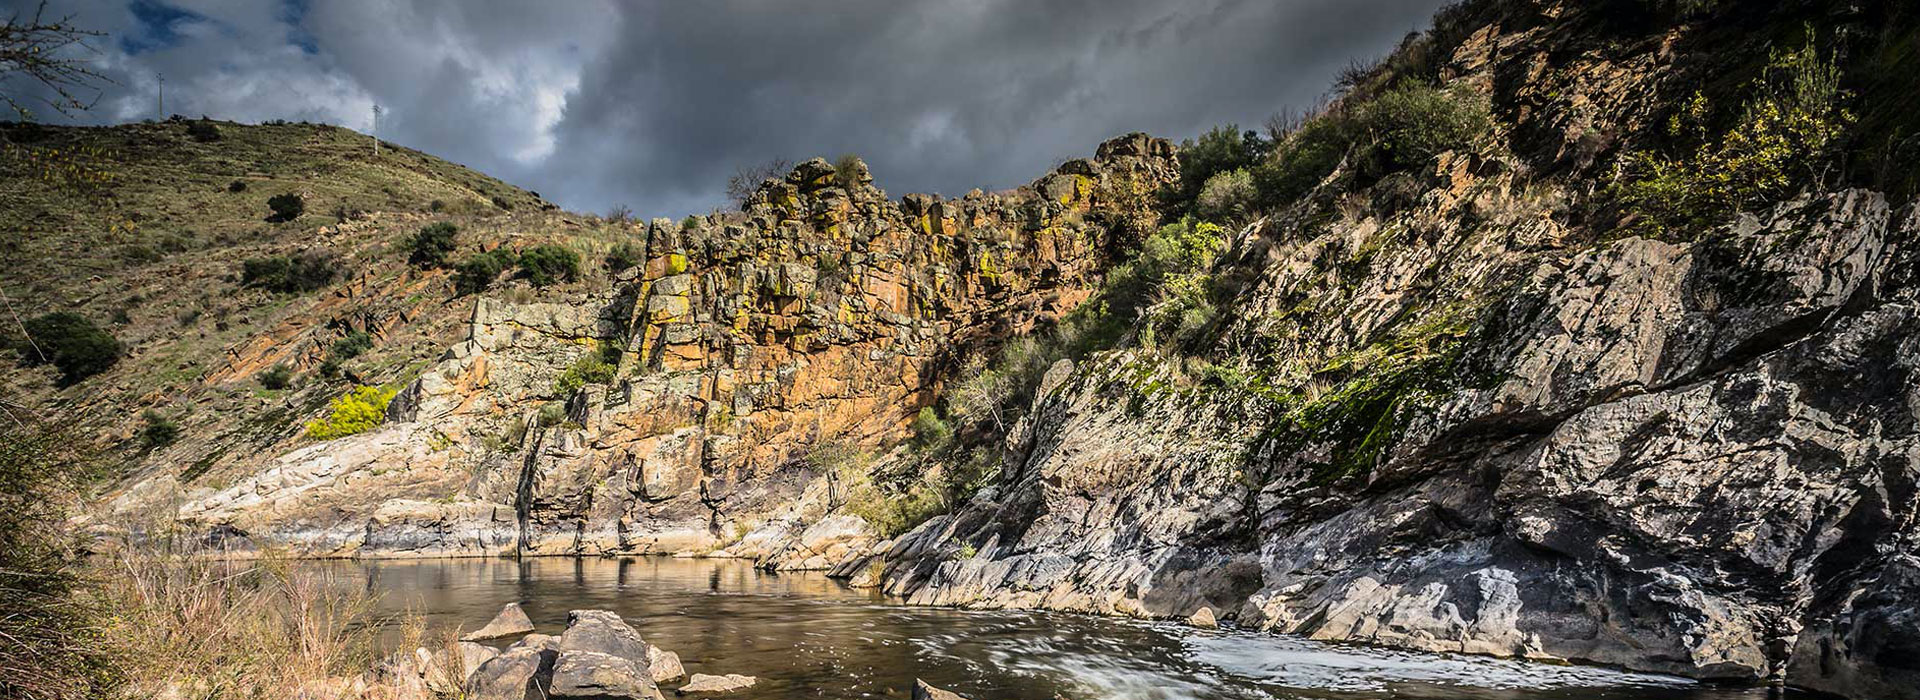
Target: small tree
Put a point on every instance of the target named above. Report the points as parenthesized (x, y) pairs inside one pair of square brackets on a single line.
[(71, 343), (547, 264), (431, 245), (286, 207)]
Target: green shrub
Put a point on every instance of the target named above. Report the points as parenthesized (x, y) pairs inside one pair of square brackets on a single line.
[(1403, 127), (276, 377), (237, 186), (552, 414), (625, 256), (430, 246), (1227, 196), (930, 432), (285, 207), (1792, 123), (1413, 122), (203, 131), (290, 275), (1302, 160), (358, 411), (352, 345), (71, 343), (546, 264), (1222, 149), (592, 368), (478, 272), (160, 431)]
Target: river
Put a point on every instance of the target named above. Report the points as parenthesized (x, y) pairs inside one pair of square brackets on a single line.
[(807, 636)]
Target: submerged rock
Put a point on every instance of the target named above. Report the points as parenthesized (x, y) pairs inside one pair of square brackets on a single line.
[(704, 684), (511, 621)]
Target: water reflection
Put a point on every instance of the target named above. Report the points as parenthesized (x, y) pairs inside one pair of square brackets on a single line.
[(807, 636)]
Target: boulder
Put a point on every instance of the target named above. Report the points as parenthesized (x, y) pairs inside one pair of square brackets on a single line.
[(704, 684), (664, 665), (520, 673), (511, 621), (537, 641), (600, 676), (604, 632), (923, 691), (1203, 618), (600, 656), (449, 669)]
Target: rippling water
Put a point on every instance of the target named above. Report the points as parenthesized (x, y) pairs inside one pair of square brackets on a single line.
[(807, 636)]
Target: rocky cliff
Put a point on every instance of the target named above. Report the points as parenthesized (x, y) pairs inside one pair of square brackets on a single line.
[(1524, 348)]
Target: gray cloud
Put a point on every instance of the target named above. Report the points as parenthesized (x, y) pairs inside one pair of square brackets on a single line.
[(595, 103)]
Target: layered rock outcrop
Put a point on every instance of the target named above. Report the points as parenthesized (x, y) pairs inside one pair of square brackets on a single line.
[(822, 312)]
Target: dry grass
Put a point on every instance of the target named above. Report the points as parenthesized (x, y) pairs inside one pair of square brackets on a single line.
[(219, 628)]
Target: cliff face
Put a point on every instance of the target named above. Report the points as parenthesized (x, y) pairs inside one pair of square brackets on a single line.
[(1449, 401), (1451, 411), (822, 313)]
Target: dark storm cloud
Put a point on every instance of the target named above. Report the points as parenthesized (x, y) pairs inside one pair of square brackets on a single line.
[(654, 104)]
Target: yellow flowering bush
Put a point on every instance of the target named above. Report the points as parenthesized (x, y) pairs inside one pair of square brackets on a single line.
[(358, 411)]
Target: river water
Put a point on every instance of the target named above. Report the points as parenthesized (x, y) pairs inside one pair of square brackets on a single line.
[(807, 636)]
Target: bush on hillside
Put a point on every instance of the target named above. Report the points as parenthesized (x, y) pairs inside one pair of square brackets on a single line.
[(546, 264), (1302, 161), (1792, 123), (290, 275), (597, 367), (430, 246), (1222, 149), (625, 256), (71, 343), (1403, 127), (285, 207), (1227, 196), (203, 130), (159, 431), (275, 378), (358, 411), (1414, 122), (477, 273)]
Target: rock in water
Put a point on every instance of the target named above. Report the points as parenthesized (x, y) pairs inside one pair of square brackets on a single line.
[(602, 657), (703, 684), (923, 691), (591, 674), (603, 631), (511, 621), (1203, 618), (664, 665)]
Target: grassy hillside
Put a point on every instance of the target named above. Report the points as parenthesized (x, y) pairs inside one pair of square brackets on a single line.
[(234, 326)]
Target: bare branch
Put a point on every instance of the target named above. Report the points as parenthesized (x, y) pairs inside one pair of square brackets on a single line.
[(54, 55)]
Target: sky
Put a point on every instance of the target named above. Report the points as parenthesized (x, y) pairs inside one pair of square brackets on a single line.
[(651, 105)]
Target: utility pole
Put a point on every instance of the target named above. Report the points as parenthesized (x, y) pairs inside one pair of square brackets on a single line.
[(376, 129), (161, 99)]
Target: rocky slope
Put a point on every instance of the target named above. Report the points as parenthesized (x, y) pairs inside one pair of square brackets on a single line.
[(1453, 400)]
